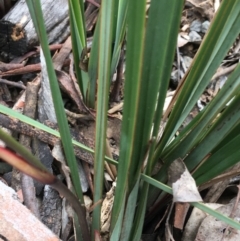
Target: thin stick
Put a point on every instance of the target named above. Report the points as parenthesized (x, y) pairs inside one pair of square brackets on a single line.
[(28, 188), (167, 223)]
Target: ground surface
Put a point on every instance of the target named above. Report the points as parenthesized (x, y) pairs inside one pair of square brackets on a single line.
[(21, 77)]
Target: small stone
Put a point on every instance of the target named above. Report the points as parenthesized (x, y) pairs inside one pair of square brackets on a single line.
[(196, 26), (205, 26), (194, 37), (187, 61)]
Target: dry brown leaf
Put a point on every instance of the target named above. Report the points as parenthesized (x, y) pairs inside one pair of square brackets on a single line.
[(183, 185), (106, 210), (195, 220), (181, 210), (213, 229)]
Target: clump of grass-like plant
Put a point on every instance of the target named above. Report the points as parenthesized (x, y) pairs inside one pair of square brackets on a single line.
[(211, 136)]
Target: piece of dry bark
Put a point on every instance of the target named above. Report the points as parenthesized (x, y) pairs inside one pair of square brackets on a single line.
[(50, 210), (28, 188), (12, 83), (19, 106), (42, 151), (59, 58), (20, 127), (17, 31), (26, 56), (181, 210), (91, 20), (17, 222), (23, 70), (91, 14), (9, 66)]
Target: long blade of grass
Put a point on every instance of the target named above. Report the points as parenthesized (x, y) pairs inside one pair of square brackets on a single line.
[(151, 82), (120, 32), (234, 133), (218, 162), (183, 146), (129, 214), (120, 22), (130, 139), (93, 68), (216, 133), (7, 111), (161, 37), (115, 235), (104, 64), (77, 9), (198, 205), (219, 39), (140, 216), (76, 48), (194, 132), (78, 36), (37, 17)]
